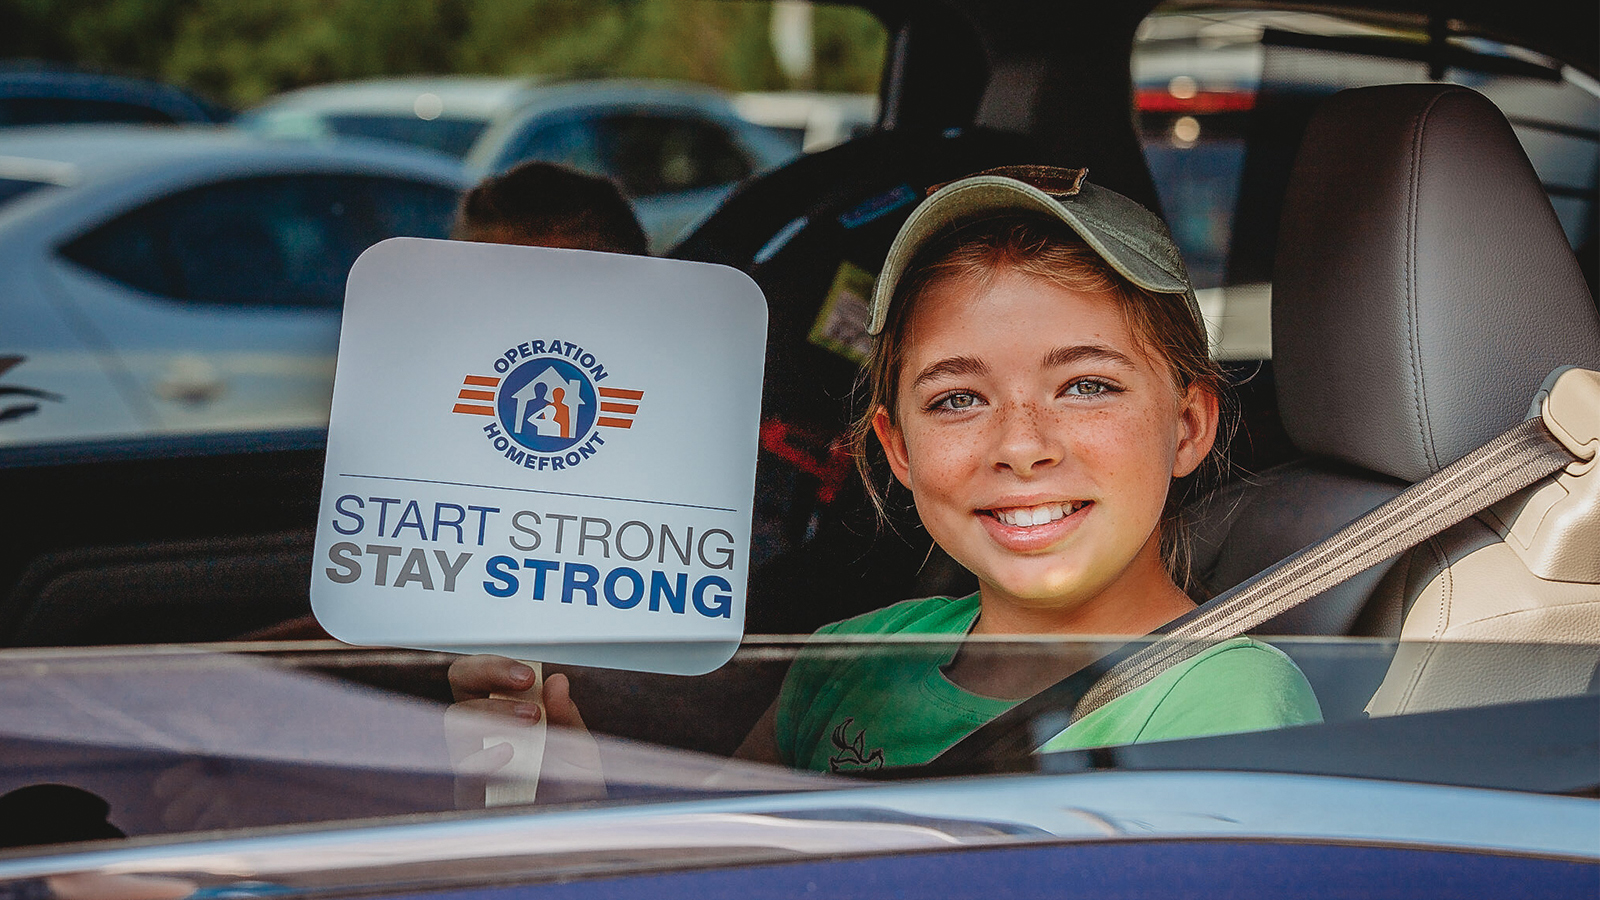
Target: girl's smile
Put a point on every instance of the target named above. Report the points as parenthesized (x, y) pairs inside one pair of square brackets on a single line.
[(1034, 527), (1039, 437)]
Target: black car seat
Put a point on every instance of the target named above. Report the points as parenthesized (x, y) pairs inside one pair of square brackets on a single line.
[(1423, 291), (159, 591)]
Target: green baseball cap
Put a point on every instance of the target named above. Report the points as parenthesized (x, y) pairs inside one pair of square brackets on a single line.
[(1132, 239)]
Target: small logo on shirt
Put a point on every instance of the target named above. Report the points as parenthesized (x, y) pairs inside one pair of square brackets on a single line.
[(853, 755)]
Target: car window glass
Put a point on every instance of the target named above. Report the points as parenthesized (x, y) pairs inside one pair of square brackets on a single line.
[(570, 142), (646, 153), (12, 188), (72, 110), (1221, 99), (451, 136), (657, 154), (279, 241), (165, 376), (196, 739), (125, 362)]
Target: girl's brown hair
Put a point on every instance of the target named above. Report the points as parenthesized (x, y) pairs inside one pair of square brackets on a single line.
[(1049, 250)]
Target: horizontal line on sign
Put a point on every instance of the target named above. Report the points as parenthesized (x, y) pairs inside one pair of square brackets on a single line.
[(498, 487), (475, 395), (615, 423), (629, 408), (481, 380), (620, 394), (473, 410)]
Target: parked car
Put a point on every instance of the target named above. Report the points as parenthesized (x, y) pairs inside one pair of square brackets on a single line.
[(37, 94), (445, 114), (675, 149), (321, 770), (173, 281)]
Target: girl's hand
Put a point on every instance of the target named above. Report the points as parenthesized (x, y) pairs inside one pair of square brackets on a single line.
[(571, 769)]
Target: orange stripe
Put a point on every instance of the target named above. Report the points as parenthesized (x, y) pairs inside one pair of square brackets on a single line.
[(615, 423), (474, 410), (475, 395), (620, 394), (481, 380), (629, 408)]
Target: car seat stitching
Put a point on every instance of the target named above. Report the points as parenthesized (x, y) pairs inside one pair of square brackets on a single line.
[(1410, 286), (1413, 303), (1442, 563), (1447, 590)]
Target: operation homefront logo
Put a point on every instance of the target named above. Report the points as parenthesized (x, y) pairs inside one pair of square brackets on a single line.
[(547, 404)]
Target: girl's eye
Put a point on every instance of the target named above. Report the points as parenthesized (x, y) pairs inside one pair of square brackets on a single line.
[(957, 400), (1089, 387)]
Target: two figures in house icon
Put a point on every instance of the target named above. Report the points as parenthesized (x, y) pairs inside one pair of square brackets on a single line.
[(549, 404)]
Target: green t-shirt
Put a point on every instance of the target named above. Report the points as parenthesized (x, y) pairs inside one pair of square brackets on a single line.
[(843, 711)]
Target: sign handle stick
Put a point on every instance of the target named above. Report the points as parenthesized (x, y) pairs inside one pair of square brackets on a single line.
[(519, 780)]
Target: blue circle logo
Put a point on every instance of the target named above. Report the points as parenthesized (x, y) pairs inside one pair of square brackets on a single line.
[(547, 405)]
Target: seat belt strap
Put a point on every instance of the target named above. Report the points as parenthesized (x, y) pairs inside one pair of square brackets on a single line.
[(1511, 462)]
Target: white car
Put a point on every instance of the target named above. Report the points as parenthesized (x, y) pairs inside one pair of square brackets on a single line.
[(185, 280), (446, 114)]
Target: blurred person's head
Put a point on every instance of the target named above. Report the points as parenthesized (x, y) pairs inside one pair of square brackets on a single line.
[(544, 205)]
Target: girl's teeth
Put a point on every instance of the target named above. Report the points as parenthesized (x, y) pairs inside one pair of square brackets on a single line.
[(1034, 515)]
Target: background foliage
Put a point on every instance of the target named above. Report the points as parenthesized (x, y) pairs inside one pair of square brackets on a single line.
[(240, 51)]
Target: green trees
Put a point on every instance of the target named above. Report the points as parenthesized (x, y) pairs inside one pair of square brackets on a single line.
[(240, 51)]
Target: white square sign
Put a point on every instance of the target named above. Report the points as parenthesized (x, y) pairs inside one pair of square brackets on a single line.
[(548, 454)]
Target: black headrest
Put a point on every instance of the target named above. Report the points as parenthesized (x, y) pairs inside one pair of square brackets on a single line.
[(1423, 286)]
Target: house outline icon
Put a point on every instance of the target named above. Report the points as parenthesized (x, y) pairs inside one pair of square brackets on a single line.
[(529, 393)]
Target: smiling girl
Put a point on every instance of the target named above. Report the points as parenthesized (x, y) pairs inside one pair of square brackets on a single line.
[(1039, 382)]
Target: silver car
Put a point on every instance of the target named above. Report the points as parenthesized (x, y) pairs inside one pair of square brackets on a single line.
[(675, 149), (182, 280)]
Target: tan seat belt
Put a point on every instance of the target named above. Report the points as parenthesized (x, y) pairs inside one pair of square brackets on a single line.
[(1565, 431)]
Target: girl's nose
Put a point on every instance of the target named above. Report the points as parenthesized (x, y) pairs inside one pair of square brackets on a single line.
[(1025, 441)]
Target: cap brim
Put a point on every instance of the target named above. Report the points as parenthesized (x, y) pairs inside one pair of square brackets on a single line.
[(986, 196)]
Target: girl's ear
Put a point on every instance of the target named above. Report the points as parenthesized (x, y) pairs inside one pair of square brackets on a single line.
[(1197, 429), (894, 445)]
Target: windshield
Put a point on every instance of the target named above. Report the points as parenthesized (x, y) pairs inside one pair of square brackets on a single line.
[(451, 136)]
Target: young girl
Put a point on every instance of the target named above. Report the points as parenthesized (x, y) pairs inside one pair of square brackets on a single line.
[(1039, 381)]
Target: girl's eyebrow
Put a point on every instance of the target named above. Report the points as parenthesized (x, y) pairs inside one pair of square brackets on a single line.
[(1066, 356), (952, 365)]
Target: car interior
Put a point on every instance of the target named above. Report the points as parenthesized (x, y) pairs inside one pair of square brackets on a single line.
[(1400, 346), (1423, 289)]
